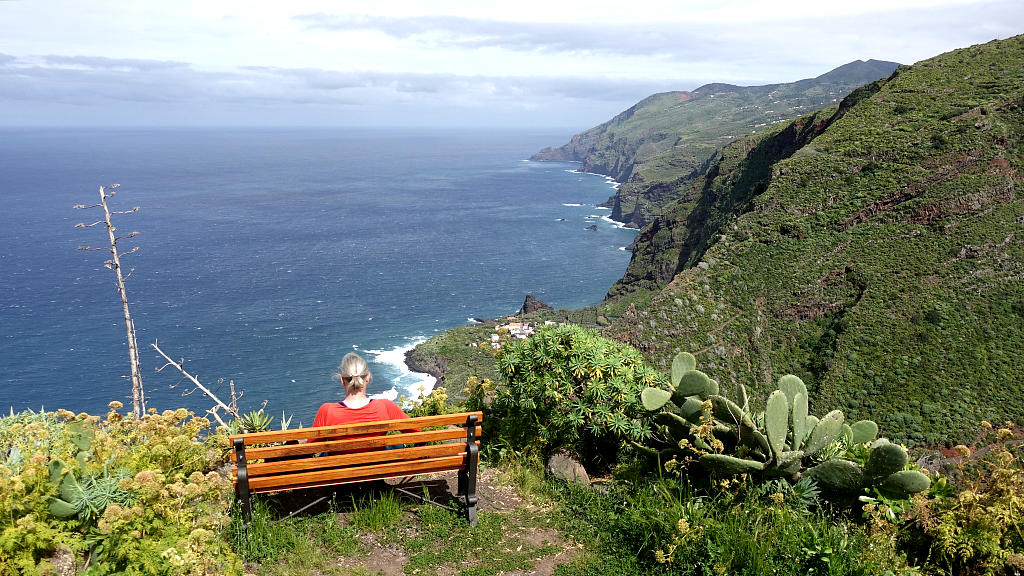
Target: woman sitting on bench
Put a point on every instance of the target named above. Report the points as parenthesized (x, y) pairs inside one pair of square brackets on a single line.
[(357, 406)]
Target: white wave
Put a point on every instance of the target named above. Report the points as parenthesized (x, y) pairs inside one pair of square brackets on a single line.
[(472, 320), (415, 384), (391, 394), (601, 208), (623, 248), (608, 179), (571, 204), (614, 223)]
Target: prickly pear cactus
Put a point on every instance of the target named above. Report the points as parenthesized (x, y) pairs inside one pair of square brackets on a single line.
[(695, 419), (884, 471)]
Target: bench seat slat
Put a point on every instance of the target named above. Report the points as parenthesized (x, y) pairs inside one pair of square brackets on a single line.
[(353, 429), (340, 475), (368, 443), (359, 458)]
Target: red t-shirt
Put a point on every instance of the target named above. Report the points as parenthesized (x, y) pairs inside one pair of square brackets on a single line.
[(378, 409)]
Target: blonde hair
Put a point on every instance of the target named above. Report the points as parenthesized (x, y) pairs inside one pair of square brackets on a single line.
[(354, 372)]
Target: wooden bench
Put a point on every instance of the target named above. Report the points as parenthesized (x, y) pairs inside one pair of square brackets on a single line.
[(288, 460)]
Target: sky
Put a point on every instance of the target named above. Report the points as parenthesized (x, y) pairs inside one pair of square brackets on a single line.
[(479, 63)]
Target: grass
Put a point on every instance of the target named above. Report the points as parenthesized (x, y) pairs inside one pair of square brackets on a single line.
[(373, 514), (357, 535), (297, 545), (624, 527)]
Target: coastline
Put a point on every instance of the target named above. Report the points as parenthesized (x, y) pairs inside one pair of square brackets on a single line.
[(433, 370)]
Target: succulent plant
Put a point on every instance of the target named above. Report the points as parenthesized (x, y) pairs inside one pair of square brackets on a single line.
[(884, 470), (729, 439)]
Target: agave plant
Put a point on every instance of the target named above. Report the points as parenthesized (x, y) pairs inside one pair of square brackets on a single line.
[(255, 421)]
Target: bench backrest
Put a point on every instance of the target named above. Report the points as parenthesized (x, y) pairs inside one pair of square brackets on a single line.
[(347, 453)]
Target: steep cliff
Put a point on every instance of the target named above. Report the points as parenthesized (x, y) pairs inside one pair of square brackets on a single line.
[(661, 144), (875, 248)]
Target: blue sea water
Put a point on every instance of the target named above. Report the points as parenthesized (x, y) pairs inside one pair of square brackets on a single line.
[(265, 255)]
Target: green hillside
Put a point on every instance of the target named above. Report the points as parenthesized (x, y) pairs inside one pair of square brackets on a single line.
[(665, 141), (875, 248)]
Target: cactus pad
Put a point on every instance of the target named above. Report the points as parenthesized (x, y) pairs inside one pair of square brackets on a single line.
[(792, 386), (727, 411), (837, 475), (691, 409), (907, 482), (678, 425), (864, 431), (799, 424), (884, 460), (683, 362), (729, 465), (846, 434), (62, 509), (824, 432), (776, 421), (654, 398), (693, 383)]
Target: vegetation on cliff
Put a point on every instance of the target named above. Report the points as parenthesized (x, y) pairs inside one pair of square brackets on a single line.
[(656, 147), (874, 249)]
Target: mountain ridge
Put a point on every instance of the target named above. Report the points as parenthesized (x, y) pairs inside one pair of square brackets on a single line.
[(874, 248), (664, 141)]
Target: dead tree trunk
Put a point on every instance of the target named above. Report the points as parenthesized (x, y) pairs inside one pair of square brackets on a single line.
[(138, 395)]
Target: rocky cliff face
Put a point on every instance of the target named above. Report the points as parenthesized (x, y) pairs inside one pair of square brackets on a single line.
[(874, 248), (657, 147)]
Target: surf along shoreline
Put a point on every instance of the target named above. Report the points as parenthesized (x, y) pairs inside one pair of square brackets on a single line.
[(435, 367)]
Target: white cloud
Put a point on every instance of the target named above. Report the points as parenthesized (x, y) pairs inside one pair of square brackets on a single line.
[(531, 58)]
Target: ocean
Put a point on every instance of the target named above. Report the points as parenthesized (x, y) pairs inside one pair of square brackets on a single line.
[(267, 254)]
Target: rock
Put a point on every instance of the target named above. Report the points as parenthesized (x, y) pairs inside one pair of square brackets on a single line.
[(592, 227), (434, 366), (531, 305), (566, 466)]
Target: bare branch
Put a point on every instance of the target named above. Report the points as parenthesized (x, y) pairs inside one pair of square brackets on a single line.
[(213, 412), (81, 225), (131, 235), (84, 207), (132, 251), (194, 380)]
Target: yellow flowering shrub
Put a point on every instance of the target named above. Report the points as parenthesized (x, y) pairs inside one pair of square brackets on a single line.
[(135, 496), (980, 529)]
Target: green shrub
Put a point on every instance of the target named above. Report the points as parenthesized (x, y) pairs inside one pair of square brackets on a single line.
[(568, 386), (980, 529)]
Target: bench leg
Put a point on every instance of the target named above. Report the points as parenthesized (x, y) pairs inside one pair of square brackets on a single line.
[(467, 477), (242, 480), (467, 489)]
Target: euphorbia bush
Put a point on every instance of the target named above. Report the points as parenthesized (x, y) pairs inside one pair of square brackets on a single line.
[(567, 385)]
